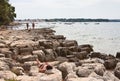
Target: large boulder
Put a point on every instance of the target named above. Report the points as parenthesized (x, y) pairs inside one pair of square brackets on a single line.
[(92, 60), (50, 55), (46, 43), (100, 69), (27, 65), (26, 78), (4, 66), (2, 55), (110, 63), (7, 75), (27, 58), (71, 75), (6, 52), (85, 47), (55, 76), (40, 54), (84, 71), (58, 37), (66, 68), (95, 55), (34, 70), (81, 55), (17, 70), (117, 70), (23, 43), (110, 76), (63, 51), (61, 59), (68, 43), (85, 79), (74, 49), (25, 50), (2, 45)]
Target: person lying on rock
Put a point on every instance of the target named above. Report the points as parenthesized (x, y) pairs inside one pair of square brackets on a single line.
[(44, 67)]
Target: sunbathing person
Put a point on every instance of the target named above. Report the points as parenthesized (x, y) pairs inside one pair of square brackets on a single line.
[(43, 66)]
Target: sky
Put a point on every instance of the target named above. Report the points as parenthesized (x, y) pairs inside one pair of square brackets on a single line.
[(33, 9)]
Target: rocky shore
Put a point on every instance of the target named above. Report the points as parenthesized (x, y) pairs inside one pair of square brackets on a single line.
[(19, 50)]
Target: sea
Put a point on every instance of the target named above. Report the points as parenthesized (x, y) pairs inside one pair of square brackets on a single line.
[(103, 36)]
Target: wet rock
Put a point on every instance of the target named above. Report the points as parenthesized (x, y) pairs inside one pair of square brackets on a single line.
[(7, 75), (110, 64), (62, 51), (73, 48), (81, 55), (58, 37), (87, 49), (95, 55), (46, 43), (55, 43), (68, 43), (117, 70), (118, 55)]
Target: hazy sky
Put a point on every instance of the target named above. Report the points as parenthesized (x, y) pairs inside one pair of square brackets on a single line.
[(67, 8)]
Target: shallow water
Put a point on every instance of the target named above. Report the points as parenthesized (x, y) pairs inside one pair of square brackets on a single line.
[(104, 36)]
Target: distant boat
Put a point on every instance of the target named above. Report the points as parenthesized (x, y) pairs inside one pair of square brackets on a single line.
[(86, 23), (69, 23), (97, 23)]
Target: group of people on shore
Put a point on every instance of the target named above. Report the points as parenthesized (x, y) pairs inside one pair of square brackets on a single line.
[(33, 25)]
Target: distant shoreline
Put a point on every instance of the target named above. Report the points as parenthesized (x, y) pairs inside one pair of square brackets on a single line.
[(71, 20)]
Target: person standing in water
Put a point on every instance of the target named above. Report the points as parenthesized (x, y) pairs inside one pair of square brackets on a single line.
[(33, 25), (27, 25)]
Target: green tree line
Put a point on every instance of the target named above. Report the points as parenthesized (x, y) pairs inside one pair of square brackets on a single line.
[(7, 12)]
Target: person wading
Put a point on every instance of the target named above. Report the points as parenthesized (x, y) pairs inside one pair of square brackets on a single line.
[(33, 25), (27, 25)]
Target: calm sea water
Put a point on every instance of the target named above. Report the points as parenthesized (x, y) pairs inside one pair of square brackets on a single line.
[(104, 36)]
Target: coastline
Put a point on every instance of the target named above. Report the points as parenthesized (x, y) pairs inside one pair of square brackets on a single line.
[(72, 62)]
